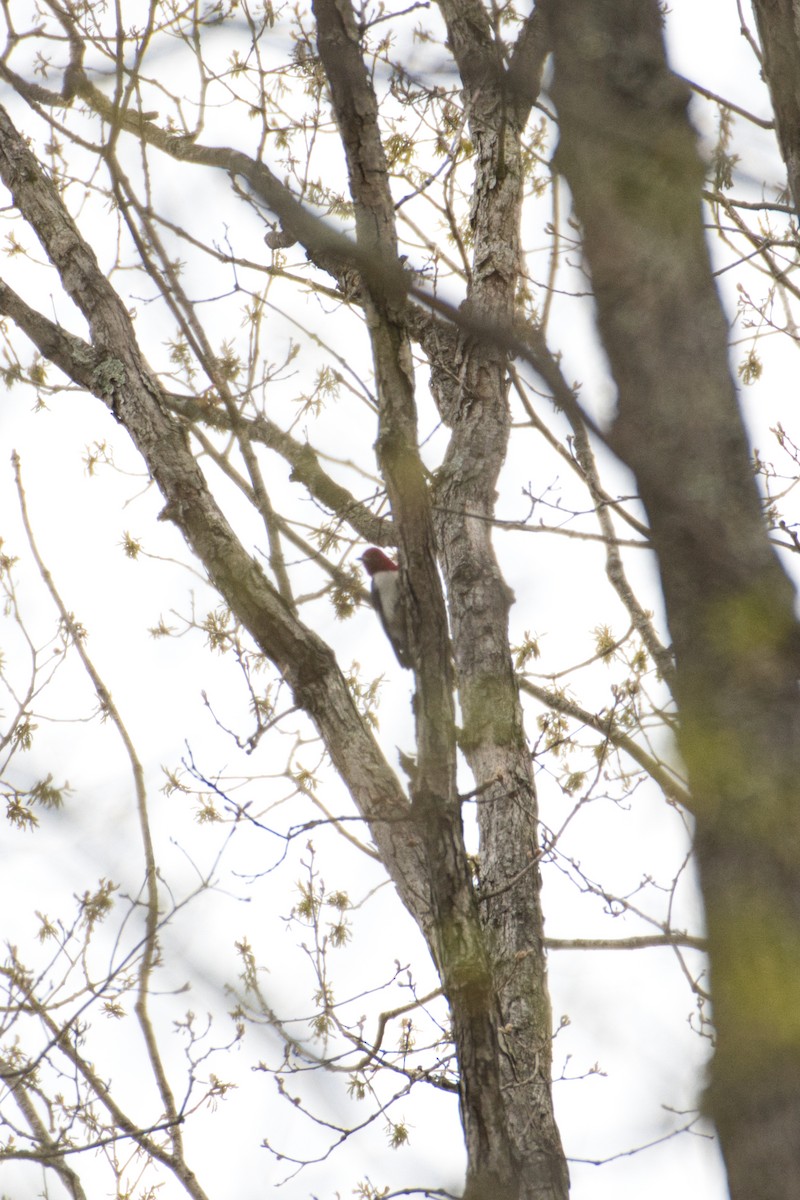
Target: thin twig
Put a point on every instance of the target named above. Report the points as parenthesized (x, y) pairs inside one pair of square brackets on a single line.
[(109, 709)]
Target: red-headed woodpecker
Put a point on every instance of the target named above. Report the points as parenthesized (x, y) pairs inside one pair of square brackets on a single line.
[(388, 600)]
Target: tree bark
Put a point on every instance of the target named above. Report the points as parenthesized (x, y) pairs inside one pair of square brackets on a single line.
[(629, 155), (778, 23), (497, 99), (502, 1030)]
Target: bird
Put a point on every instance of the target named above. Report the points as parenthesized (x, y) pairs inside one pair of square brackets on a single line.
[(388, 600)]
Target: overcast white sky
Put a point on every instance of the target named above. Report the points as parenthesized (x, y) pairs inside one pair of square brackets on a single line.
[(627, 1013)]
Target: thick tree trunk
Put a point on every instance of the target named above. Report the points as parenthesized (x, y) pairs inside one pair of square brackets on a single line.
[(489, 950), (502, 1034), (493, 737), (629, 155)]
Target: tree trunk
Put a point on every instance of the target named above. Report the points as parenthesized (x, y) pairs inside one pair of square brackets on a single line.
[(778, 24), (489, 950), (493, 738), (629, 155)]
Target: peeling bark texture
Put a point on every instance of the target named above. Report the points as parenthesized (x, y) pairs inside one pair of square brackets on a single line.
[(629, 155), (778, 24)]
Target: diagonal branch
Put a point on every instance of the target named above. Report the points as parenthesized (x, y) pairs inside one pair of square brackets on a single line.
[(79, 361), (120, 375), (605, 726)]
